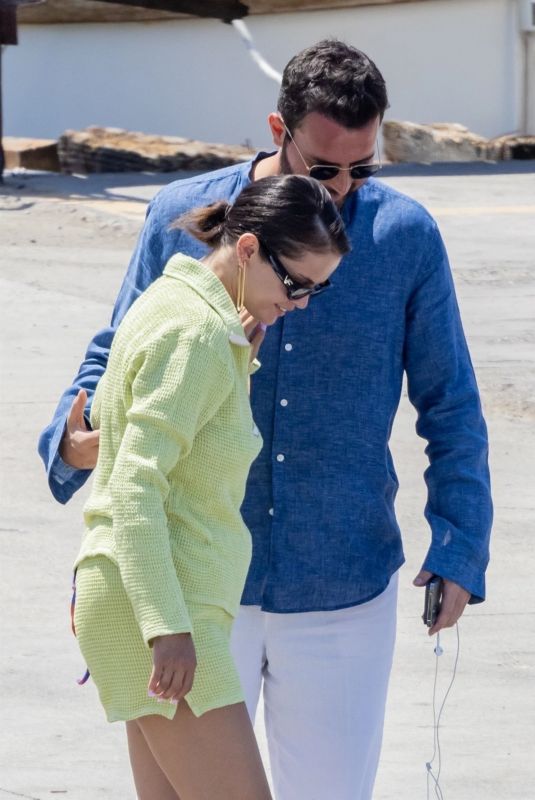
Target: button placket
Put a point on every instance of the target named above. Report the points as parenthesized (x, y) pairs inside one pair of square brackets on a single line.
[(280, 431)]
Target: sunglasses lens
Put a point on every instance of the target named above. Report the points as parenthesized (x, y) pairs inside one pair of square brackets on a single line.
[(357, 173), (324, 173), (366, 171), (298, 294), (317, 289), (321, 287)]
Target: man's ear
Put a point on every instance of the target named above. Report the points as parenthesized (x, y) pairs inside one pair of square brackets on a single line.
[(278, 131)]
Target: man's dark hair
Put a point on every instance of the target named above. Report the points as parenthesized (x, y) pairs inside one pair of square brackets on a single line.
[(335, 80)]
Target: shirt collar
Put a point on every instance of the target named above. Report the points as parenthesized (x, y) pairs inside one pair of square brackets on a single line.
[(260, 156), (202, 280)]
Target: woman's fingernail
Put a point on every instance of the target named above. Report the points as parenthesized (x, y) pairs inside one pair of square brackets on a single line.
[(150, 693), (263, 327), (174, 701)]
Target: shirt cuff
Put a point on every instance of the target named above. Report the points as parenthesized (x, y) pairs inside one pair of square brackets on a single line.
[(63, 472), (471, 580)]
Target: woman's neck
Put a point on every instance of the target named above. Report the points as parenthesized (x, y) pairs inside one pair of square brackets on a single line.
[(222, 262)]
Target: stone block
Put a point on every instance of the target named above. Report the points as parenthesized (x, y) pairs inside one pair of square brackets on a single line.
[(515, 147), (440, 141), (41, 154), (114, 150)]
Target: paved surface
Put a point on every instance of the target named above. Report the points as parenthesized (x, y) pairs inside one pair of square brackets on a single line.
[(65, 245)]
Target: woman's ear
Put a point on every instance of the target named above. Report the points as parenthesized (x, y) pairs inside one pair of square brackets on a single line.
[(277, 128), (247, 246)]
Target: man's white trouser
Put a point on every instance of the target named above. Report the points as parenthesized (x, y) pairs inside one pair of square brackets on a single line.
[(325, 680)]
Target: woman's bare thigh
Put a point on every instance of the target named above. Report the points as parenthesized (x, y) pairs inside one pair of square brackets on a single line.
[(211, 756), (149, 780)]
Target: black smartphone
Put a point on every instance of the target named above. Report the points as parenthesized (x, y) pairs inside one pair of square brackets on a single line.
[(433, 597)]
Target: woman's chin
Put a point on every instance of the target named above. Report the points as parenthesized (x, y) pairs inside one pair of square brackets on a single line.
[(267, 318)]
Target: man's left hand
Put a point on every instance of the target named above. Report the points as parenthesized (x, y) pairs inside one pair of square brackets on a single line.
[(454, 600)]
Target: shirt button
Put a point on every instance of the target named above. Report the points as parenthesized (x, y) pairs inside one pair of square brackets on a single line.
[(288, 347), (280, 457), (284, 402), (270, 512)]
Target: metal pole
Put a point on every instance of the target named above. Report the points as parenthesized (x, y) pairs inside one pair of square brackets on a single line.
[(2, 157), (8, 35)]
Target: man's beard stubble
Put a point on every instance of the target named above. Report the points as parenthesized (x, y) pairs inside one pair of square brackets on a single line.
[(285, 168)]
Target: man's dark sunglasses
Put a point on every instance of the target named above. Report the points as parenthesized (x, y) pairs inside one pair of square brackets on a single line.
[(294, 289), (358, 173), (326, 172)]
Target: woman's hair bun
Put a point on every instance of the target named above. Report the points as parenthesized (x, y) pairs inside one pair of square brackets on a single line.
[(206, 224)]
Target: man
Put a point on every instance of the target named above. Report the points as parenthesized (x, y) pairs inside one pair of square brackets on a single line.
[(317, 625)]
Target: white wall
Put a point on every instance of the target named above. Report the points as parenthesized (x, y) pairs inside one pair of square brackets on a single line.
[(448, 60), (528, 115)]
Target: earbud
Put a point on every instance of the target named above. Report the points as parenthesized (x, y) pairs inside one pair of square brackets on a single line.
[(438, 650)]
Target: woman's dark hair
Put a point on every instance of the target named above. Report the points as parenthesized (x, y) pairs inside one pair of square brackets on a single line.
[(290, 215), (335, 80)]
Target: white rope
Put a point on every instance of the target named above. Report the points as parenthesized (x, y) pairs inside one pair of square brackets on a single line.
[(245, 35)]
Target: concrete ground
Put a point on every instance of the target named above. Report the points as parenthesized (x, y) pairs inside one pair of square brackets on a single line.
[(66, 242)]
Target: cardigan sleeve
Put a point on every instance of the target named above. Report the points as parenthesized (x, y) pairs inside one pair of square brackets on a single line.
[(177, 384), (96, 405)]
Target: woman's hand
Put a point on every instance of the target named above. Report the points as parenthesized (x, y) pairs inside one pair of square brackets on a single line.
[(254, 330), (174, 664)]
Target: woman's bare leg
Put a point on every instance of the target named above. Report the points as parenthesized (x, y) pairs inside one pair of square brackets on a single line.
[(149, 779), (207, 757)]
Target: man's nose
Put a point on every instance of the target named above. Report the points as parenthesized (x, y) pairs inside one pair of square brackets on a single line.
[(341, 184)]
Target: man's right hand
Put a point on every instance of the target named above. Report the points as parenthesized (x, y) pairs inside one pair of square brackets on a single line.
[(79, 445)]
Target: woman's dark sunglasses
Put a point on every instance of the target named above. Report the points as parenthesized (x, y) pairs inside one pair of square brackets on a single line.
[(294, 289), (326, 172)]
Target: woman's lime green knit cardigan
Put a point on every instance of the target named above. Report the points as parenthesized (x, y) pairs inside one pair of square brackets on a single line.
[(176, 442)]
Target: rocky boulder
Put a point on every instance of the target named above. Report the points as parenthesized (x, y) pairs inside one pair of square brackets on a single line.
[(114, 150), (440, 141)]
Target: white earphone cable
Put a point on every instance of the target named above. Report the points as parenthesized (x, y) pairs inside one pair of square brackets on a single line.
[(436, 721)]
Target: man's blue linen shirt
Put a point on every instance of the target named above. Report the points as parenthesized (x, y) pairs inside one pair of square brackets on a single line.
[(320, 497)]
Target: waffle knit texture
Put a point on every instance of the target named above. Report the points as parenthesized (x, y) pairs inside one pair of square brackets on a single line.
[(177, 439), (121, 664)]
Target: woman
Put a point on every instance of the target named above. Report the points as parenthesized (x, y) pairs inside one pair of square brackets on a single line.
[(165, 554)]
